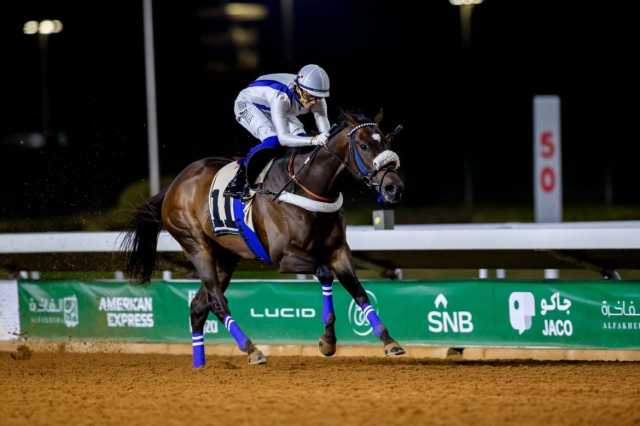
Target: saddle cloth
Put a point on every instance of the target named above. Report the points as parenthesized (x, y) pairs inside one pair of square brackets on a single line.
[(221, 207), (233, 216)]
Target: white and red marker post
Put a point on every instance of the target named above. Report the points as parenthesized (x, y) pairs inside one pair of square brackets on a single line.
[(547, 167)]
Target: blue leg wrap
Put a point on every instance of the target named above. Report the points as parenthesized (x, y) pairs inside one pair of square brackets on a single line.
[(372, 316), (327, 302), (234, 329), (197, 343)]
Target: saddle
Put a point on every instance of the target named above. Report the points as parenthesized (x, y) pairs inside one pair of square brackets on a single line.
[(233, 216)]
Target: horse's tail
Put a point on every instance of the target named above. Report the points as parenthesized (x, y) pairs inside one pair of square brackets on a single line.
[(141, 239)]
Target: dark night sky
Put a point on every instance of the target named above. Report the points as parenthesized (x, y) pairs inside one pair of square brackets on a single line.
[(405, 56)]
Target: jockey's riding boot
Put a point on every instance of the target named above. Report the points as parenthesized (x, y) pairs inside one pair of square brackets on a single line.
[(238, 185)]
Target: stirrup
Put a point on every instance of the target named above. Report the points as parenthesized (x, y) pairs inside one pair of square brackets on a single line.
[(246, 193), (234, 192), (236, 187)]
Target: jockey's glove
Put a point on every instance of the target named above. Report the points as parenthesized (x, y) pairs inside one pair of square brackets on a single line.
[(320, 139)]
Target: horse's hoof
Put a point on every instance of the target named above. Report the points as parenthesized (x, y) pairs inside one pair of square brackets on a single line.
[(327, 348), (257, 357), (393, 349)]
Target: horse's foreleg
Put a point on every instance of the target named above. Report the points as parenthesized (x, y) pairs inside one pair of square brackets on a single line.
[(327, 342), (342, 265)]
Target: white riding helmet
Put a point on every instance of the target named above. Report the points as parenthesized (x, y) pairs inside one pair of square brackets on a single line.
[(313, 80)]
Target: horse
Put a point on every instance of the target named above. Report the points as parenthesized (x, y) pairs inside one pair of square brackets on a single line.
[(295, 239)]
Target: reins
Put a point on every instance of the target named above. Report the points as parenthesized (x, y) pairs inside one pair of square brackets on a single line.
[(293, 175), (363, 174), (294, 178)]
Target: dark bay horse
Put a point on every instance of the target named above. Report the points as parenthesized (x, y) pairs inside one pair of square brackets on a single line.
[(296, 240)]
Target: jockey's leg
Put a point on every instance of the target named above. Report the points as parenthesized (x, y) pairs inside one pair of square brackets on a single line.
[(327, 342), (259, 156), (251, 166), (258, 123), (238, 185), (342, 265)]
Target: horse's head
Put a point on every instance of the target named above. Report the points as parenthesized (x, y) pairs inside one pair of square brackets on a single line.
[(369, 157)]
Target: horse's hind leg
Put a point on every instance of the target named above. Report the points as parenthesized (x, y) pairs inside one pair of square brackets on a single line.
[(201, 256), (215, 274), (342, 264), (199, 312), (327, 342), (201, 305)]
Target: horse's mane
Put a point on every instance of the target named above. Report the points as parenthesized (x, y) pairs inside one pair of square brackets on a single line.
[(350, 116)]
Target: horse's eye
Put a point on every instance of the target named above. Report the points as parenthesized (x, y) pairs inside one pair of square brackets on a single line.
[(364, 146)]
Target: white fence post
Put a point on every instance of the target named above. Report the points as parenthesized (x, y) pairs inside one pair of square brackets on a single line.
[(551, 274)]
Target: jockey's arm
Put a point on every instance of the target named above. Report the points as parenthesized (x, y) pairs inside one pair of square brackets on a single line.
[(295, 126), (279, 112), (321, 117)]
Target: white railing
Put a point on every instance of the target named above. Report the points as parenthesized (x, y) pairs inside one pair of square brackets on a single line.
[(506, 236)]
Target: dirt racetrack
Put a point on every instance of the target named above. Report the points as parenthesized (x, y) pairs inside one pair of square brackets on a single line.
[(68, 388)]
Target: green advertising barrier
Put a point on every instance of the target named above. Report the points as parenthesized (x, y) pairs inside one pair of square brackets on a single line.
[(600, 314)]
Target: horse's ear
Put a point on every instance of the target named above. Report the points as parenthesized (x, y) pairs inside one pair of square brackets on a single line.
[(379, 116)]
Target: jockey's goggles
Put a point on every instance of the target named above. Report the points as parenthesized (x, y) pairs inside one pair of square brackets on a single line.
[(307, 97)]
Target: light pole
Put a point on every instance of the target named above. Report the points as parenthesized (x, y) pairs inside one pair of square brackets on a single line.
[(286, 7), (466, 10), (43, 29), (150, 80)]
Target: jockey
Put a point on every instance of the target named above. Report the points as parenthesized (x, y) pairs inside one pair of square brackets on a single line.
[(268, 109)]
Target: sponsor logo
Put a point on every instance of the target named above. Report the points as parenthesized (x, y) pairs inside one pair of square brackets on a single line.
[(621, 315), (443, 321), (283, 313), (133, 312), (522, 309), (71, 316), (556, 327), (359, 322), (62, 310)]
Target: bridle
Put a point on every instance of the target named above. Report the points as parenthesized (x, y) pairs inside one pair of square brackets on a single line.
[(362, 173)]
